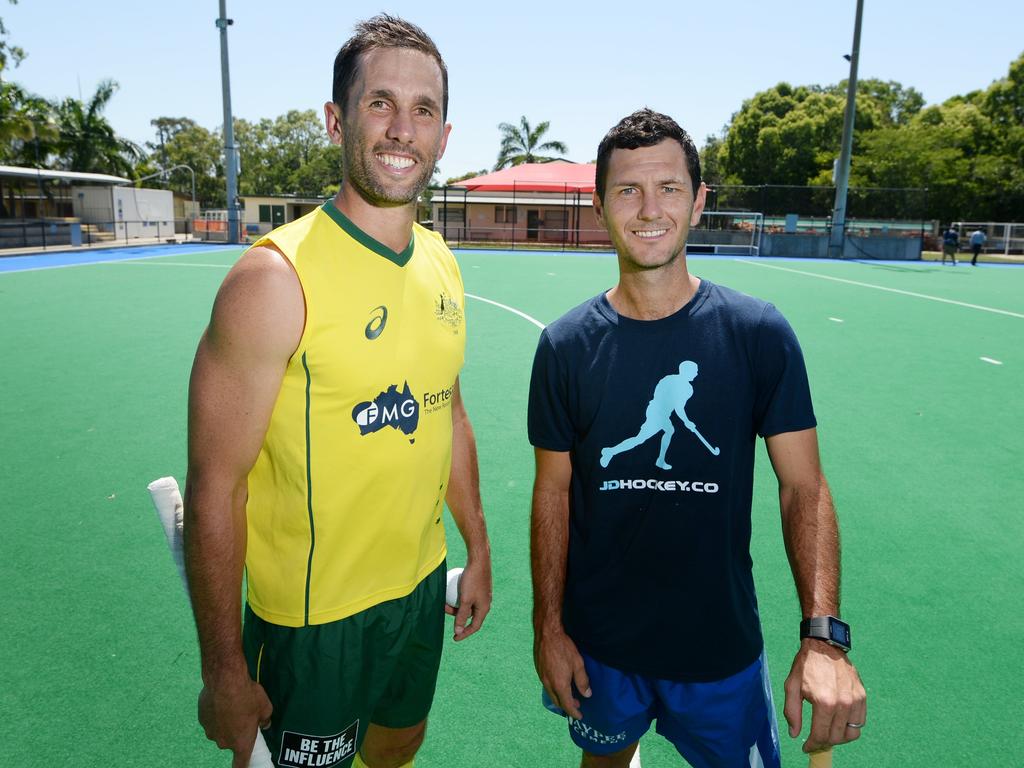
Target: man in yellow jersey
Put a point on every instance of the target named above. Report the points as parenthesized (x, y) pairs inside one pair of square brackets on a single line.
[(326, 431)]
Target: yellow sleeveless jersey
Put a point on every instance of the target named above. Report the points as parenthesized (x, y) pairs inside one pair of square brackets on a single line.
[(346, 496)]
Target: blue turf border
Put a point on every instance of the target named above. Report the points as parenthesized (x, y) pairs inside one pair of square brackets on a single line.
[(56, 259)]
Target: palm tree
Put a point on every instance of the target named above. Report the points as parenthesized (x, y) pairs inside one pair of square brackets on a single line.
[(88, 142), (520, 143), (27, 130), (24, 118)]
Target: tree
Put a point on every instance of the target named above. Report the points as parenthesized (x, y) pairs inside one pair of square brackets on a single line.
[(896, 105), (9, 52), (791, 135), (288, 155), (182, 141), (87, 141), (786, 135), (1003, 101), (710, 165), (952, 149), (519, 144), (28, 128), (466, 175)]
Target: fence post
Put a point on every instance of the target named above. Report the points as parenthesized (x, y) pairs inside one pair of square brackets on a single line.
[(515, 219)]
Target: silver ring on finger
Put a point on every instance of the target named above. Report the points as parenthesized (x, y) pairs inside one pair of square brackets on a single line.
[(855, 725)]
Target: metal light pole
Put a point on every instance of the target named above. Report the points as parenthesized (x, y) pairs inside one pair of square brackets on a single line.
[(230, 150), (838, 234)]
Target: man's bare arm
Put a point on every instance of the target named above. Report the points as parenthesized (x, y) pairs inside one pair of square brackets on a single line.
[(255, 326), (821, 674), (555, 656), (463, 499), (809, 526)]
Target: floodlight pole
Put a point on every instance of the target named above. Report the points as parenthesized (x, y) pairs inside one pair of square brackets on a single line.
[(230, 150), (838, 233)]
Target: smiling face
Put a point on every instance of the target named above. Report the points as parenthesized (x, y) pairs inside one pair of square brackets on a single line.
[(649, 205), (392, 131)]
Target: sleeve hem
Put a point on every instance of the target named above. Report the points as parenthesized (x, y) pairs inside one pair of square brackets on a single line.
[(548, 446), (798, 427)]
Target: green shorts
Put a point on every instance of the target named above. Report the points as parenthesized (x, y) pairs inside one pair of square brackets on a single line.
[(327, 682)]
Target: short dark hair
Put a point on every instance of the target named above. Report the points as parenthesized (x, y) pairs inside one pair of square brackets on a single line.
[(645, 128), (382, 31)]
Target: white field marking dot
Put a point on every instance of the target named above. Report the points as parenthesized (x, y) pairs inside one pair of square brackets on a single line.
[(552, 274), (990, 360), (836, 319)]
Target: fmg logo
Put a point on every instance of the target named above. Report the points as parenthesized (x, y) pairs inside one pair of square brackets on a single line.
[(391, 408)]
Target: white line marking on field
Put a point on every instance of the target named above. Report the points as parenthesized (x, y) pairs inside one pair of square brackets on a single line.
[(513, 310), (990, 360), (137, 260), (172, 264), (884, 288), (835, 319)]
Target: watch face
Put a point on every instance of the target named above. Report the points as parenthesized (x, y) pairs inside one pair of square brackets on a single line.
[(839, 632)]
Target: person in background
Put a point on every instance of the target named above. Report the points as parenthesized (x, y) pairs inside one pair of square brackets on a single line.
[(950, 244), (978, 239)]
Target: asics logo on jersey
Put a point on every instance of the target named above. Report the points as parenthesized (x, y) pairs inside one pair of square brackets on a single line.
[(391, 408), (378, 319)]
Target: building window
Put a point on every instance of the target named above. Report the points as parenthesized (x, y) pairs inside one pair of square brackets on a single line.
[(504, 214), (452, 215), (555, 218), (265, 213)]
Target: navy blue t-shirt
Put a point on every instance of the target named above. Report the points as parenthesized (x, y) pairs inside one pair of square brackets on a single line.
[(660, 418)]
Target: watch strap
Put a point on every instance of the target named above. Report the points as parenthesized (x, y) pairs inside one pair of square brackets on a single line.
[(832, 630)]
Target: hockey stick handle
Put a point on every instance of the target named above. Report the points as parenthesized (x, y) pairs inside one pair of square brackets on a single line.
[(822, 759), (170, 508)]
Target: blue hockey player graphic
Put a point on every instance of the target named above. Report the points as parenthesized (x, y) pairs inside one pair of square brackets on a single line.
[(671, 394)]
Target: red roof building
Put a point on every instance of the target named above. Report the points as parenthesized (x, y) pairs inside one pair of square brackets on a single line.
[(533, 203), (556, 176)]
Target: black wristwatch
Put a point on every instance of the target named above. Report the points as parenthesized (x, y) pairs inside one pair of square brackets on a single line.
[(828, 628)]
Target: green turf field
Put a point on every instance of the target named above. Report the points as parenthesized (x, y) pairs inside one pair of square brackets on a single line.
[(921, 440)]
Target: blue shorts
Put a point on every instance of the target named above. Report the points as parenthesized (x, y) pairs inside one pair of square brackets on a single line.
[(725, 724)]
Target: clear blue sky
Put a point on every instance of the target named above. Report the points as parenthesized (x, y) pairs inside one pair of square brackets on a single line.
[(582, 70)]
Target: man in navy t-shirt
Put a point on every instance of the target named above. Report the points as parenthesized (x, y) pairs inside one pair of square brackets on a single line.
[(645, 403)]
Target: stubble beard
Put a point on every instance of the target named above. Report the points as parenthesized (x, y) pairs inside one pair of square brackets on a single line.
[(626, 256), (361, 172)]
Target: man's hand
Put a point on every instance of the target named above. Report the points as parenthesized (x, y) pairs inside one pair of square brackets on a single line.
[(559, 667), (474, 597), (824, 676), (230, 710)]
